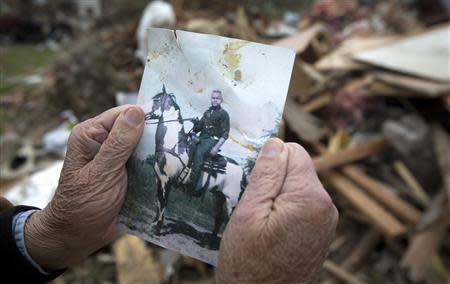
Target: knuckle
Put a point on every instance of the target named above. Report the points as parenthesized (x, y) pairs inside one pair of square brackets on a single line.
[(300, 153), (302, 161), (76, 131), (117, 141), (79, 130), (323, 209)]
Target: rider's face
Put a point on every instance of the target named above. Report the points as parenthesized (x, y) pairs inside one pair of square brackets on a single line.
[(216, 99)]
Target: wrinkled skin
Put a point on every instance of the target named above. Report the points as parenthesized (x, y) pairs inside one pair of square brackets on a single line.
[(279, 233), (82, 216), (281, 230)]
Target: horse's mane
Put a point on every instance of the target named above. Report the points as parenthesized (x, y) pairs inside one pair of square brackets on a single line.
[(172, 97)]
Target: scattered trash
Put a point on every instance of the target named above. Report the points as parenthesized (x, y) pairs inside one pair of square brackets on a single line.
[(369, 99), (157, 14), (38, 189), (55, 141), (123, 98), (431, 53), (21, 164)]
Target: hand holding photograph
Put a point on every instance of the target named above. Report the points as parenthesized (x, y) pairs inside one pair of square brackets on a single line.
[(210, 103)]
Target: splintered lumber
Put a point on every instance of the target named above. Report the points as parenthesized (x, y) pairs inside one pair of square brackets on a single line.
[(425, 244), (305, 125), (340, 58), (134, 262), (340, 273), (329, 161), (380, 218), (317, 103), (416, 86), (416, 189), (441, 143), (300, 41), (381, 193), (362, 249), (430, 51)]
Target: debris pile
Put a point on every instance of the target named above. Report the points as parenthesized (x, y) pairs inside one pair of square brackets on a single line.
[(369, 99), (371, 105)]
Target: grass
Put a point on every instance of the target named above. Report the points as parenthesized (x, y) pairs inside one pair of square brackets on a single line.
[(20, 60)]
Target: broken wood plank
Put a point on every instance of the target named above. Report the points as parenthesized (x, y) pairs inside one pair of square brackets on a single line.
[(135, 262), (340, 272), (417, 190), (361, 249), (300, 41), (441, 143), (381, 193), (317, 103), (305, 125), (430, 51), (377, 190), (425, 244), (385, 222), (417, 86), (340, 59), (329, 161)]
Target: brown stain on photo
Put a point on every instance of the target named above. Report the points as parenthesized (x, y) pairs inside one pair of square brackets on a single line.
[(153, 55), (238, 75), (247, 146), (232, 58)]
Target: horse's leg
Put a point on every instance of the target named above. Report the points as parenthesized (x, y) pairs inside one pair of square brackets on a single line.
[(162, 203), (219, 200), (166, 193), (158, 200)]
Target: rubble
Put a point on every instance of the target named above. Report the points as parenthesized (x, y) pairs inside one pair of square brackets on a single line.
[(369, 99)]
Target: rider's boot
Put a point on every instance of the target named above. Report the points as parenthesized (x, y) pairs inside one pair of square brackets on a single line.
[(193, 181)]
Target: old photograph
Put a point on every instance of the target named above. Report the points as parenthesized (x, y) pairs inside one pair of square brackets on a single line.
[(210, 103)]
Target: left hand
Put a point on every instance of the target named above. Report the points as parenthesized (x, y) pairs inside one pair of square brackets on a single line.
[(82, 216), (214, 151)]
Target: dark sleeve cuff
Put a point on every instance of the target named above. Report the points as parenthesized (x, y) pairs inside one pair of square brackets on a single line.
[(13, 264)]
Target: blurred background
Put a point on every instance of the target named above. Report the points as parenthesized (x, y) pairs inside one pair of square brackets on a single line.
[(369, 98)]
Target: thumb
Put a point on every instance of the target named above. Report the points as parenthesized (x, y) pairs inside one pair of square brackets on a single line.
[(121, 141), (266, 180)]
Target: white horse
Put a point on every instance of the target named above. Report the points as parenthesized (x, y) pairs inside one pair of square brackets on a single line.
[(171, 161)]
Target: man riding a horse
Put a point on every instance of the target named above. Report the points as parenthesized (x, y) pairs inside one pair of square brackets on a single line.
[(174, 156), (214, 128)]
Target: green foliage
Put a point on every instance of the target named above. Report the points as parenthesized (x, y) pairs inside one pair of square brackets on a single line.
[(21, 59)]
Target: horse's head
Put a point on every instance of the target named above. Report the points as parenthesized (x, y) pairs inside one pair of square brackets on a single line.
[(160, 103)]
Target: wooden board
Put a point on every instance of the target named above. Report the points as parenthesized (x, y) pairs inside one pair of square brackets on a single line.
[(426, 55)]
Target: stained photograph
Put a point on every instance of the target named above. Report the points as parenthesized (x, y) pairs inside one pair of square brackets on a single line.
[(210, 103)]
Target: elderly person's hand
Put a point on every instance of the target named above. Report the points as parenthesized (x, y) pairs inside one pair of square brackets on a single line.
[(281, 229), (82, 216)]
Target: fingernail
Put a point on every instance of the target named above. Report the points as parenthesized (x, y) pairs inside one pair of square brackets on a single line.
[(271, 149), (133, 116)]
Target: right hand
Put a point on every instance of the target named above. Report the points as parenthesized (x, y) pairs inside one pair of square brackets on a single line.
[(82, 216), (281, 230)]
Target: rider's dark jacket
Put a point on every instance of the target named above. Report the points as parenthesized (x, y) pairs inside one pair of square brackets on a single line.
[(215, 123)]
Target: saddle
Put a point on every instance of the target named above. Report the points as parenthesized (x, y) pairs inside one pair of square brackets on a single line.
[(214, 165)]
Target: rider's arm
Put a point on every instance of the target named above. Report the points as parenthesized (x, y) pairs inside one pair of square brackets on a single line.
[(224, 127), (225, 130), (219, 144)]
